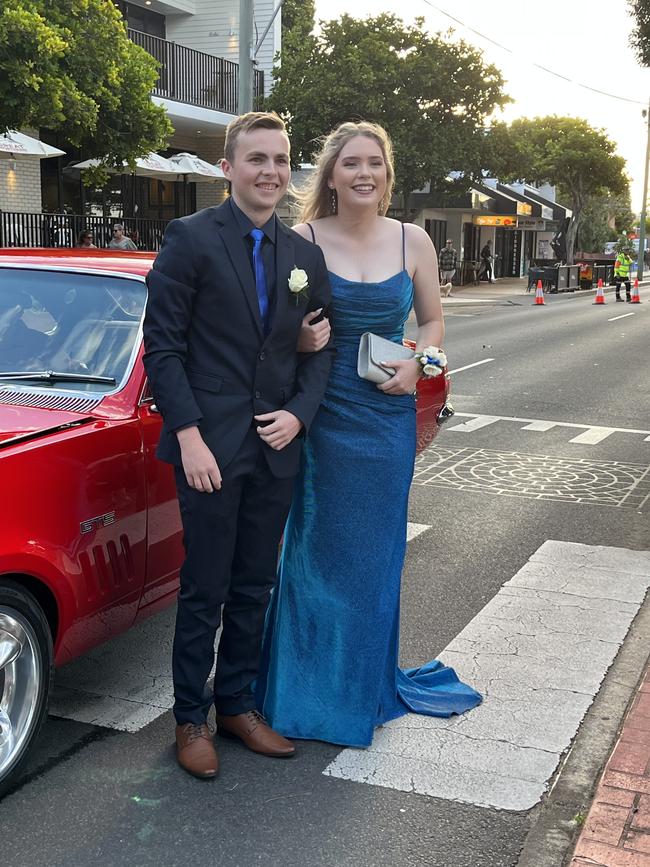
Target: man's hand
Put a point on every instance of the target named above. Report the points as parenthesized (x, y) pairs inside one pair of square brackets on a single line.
[(201, 469), (313, 338), (280, 428), (407, 373)]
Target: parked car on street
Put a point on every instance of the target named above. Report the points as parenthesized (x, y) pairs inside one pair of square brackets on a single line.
[(91, 538)]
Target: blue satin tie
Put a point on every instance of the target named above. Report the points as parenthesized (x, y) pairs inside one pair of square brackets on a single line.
[(260, 277)]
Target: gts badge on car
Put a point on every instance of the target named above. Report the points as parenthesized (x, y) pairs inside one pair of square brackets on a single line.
[(95, 523)]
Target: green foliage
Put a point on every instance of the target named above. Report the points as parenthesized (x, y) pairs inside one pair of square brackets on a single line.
[(597, 216), (297, 18), (624, 245), (69, 66), (564, 151), (431, 95), (640, 36)]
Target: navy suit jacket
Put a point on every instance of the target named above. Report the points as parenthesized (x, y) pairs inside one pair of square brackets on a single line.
[(206, 355)]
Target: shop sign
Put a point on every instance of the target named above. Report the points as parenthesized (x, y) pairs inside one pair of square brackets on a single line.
[(532, 224), (489, 220), (524, 209)]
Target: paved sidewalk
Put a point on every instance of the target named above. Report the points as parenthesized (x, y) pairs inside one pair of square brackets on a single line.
[(616, 832), (507, 287)]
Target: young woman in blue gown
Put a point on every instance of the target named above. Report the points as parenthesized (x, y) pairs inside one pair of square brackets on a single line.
[(330, 657)]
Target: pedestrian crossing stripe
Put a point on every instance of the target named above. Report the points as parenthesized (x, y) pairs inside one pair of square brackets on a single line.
[(537, 652), (591, 433)]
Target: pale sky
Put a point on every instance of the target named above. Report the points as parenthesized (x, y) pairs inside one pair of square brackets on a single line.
[(583, 40)]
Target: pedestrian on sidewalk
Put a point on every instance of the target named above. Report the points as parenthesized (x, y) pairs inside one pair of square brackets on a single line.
[(486, 262), (120, 241), (448, 262), (622, 274)]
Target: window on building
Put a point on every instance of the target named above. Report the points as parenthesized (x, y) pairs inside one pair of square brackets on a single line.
[(141, 19)]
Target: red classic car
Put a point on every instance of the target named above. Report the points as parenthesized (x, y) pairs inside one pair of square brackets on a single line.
[(91, 538)]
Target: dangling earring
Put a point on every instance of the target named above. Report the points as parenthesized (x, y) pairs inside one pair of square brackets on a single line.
[(334, 201)]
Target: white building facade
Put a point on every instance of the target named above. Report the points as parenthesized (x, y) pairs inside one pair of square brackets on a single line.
[(197, 44)]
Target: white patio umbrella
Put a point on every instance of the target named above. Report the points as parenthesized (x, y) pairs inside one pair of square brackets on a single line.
[(194, 169), (17, 144), (150, 166)]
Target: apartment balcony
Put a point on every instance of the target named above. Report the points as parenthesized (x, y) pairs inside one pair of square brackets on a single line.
[(193, 78)]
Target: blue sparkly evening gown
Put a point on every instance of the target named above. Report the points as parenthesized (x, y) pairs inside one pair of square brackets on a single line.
[(329, 667)]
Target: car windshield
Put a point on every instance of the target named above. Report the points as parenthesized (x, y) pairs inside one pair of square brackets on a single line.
[(83, 327)]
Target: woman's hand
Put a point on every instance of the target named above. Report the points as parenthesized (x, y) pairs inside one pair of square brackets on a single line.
[(407, 373), (313, 338)]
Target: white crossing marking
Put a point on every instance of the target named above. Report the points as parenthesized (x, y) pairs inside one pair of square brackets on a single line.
[(593, 435), (539, 425), (467, 366), (126, 683), (413, 530), (620, 317), (537, 652), (476, 423)]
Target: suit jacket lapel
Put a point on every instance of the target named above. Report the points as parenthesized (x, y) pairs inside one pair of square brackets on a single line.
[(284, 263), (238, 255)]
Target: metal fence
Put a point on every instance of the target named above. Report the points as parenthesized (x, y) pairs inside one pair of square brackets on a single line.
[(62, 230), (194, 77)]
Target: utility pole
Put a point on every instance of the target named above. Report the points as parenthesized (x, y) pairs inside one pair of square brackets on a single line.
[(641, 256), (245, 56), (247, 53)]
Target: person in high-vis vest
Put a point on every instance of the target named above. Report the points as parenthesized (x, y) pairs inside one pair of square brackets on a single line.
[(622, 275)]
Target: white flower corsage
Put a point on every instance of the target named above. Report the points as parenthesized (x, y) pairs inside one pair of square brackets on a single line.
[(299, 284), (433, 360)]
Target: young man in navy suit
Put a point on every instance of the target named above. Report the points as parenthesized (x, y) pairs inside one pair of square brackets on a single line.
[(227, 295)]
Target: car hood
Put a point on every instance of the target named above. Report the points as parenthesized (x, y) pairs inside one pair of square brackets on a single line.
[(18, 423)]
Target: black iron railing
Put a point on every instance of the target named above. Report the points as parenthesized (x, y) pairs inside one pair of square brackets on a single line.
[(62, 230), (194, 77)]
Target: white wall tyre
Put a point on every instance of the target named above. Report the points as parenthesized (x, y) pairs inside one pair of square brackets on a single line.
[(26, 668)]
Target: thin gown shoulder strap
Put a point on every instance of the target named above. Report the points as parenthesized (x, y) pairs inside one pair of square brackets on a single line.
[(313, 236), (403, 249)]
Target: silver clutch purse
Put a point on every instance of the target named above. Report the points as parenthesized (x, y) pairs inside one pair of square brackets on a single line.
[(373, 350)]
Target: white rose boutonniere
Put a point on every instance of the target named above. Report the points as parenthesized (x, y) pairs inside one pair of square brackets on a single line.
[(298, 284)]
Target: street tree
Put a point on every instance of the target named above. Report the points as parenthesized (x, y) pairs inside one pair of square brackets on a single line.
[(69, 66), (430, 93), (605, 219), (640, 37), (577, 159)]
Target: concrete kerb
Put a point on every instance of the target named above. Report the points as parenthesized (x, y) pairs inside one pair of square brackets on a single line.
[(554, 830)]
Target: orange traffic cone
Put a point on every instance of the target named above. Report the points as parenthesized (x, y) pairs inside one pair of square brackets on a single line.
[(539, 293), (635, 293), (600, 293)]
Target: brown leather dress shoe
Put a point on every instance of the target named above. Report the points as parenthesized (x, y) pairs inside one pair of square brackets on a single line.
[(195, 751), (254, 732)]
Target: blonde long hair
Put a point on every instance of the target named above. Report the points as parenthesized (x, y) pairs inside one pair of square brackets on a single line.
[(315, 198)]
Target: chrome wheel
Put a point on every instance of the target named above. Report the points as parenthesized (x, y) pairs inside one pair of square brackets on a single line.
[(22, 685)]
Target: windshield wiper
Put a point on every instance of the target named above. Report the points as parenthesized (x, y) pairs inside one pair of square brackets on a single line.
[(56, 376)]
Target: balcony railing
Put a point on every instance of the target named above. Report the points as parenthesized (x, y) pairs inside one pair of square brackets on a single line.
[(194, 77), (19, 229)]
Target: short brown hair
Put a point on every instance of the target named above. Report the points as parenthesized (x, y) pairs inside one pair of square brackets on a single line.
[(247, 122)]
